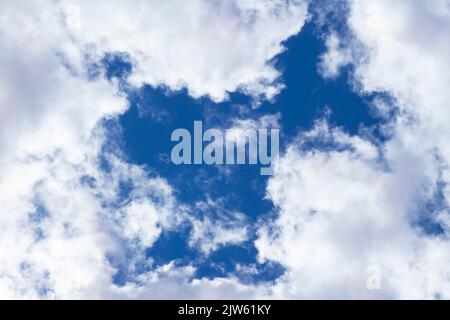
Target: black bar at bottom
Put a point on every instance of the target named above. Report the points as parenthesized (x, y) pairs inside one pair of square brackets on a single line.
[(236, 309)]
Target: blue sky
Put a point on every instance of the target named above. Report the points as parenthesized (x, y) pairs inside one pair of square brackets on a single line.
[(155, 112), (357, 208)]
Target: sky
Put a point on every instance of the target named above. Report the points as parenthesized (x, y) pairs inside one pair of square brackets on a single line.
[(92, 206)]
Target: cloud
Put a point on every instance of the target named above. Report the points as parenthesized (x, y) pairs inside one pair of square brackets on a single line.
[(214, 226), (210, 47), (58, 204), (334, 58), (344, 212), (349, 203), (50, 236), (172, 282), (72, 210)]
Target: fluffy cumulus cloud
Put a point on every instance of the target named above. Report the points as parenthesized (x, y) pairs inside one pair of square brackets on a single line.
[(345, 213), (353, 209), (209, 47), (61, 213), (72, 210)]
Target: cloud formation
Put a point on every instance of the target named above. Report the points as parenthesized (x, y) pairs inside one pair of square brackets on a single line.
[(354, 203), (210, 47), (73, 211)]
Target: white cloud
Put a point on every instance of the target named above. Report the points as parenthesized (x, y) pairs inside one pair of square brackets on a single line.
[(334, 58), (47, 114), (217, 226), (67, 224), (171, 282), (209, 47), (341, 212), (56, 230), (343, 208)]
